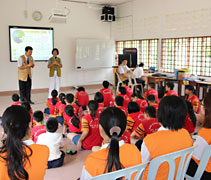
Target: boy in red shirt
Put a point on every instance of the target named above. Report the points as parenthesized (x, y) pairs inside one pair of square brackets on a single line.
[(54, 94), (107, 94), (38, 128), (151, 90), (151, 101), (15, 99), (82, 97), (192, 98), (119, 104), (99, 99), (136, 97), (129, 91), (169, 89), (147, 126), (122, 93)]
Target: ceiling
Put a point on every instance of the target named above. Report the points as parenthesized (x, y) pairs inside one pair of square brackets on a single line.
[(100, 2)]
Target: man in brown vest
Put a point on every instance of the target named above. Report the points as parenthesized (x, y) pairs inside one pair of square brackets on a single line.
[(25, 63), (124, 71)]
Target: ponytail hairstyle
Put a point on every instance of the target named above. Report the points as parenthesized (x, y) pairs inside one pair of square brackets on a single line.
[(93, 106), (113, 122), (15, 122), (69, 110), (62, 98), (54, 101), (191, 113)]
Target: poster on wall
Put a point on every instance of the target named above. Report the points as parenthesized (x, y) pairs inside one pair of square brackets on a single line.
[(39, 38)]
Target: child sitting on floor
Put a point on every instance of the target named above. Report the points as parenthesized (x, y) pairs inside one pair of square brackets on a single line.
[(15, 99), (169, 89), (147, 126), (123, 93), (107, 94), (151, 101), (53, 108), (151, 90), (136, 97), (99, 99), (54, 94), (82, 97), (39, 128), (54, 141), (119, 104)]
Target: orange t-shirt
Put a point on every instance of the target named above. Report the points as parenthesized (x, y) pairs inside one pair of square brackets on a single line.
[(164, 142), (96, 162), (37, 166)]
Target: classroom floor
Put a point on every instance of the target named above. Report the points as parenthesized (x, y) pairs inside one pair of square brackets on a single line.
[(73, 164)]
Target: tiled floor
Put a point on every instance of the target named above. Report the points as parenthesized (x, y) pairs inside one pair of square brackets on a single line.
[(73, 164)]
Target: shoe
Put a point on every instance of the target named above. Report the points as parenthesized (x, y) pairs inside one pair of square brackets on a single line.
[(31, 102), (70, 152)]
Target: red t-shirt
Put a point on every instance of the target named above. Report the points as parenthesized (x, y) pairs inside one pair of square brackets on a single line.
[(155, 106), (126, 100), (150, 126), (189, 124), (134, 119), (71, 127), (194, 100), (93, 138), (50, 103), (153, 92), (83, 98), (171, 93), (142, 104), (108, 97), (53, 109), (36, 131), (75, 109), (129, 91), (123, 109), (100, 108), (61, 109), (16, 103)]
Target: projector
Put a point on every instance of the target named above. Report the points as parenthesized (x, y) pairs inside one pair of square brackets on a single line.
[(58, 16)]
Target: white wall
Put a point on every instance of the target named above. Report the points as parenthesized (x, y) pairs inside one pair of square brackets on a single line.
[(82, 23)]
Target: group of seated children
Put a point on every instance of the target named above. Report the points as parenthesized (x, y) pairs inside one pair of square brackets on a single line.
[(115, 128)]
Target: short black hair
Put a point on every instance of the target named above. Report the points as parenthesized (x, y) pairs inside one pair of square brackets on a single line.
[(133, 107), (38, 116), (69, 110), (51, 125), (122, 90), (119, 100), (54, 101), (15, 97), (190, 88), (151, 111), (28, 48), (170, 85), (55, 49), (141, 64), (172, 112), (99, 97), (54, 93), (81, 89), (152, 85), (105, 84), (69, 97), (150, 98)]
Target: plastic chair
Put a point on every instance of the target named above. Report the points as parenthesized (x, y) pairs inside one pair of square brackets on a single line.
[(119, 81), (202, 165), (137, 84), (127, 173), (185, 156)]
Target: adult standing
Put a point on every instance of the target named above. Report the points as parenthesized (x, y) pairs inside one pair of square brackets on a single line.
[(25, 63), (54, 65)]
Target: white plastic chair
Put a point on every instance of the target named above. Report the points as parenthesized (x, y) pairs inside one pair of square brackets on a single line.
[(137, 84), (119, 81), (170, 158), (127, 173), (202, 165)]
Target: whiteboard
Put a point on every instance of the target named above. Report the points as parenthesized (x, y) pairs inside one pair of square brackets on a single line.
[(93, 54)]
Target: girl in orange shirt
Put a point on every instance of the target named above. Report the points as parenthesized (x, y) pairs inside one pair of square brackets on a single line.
[(19, 156)]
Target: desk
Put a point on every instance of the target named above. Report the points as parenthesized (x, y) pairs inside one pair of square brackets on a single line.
[(197, 84)]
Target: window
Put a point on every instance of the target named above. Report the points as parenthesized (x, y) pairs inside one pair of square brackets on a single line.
[(192, 53), (147, 51)]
